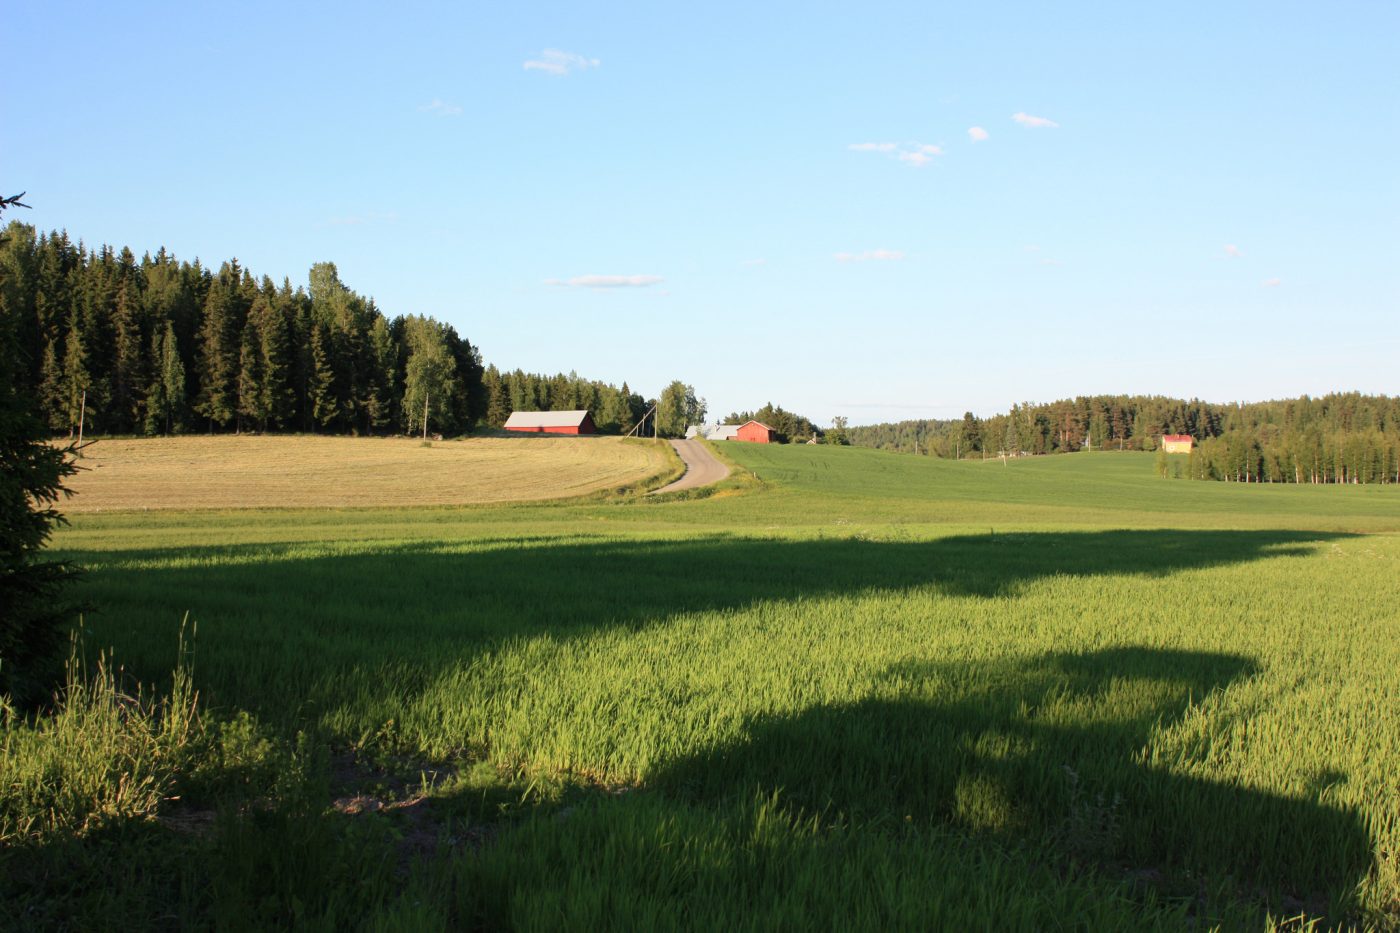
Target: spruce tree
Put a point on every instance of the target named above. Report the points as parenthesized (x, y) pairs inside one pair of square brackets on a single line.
[(252, 409), (76, 380), (51, 389), (274, 333), (384, 359), (321, 401), (172, 380), (31, 481), (220, 340), (128, 377)]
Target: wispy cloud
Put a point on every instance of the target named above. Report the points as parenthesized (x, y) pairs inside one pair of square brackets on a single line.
[(1232, 251), (870, 255), (751, 263), (606, 281), (1051, 262), (921, 156), (441, 108), (1026, 119), (1271, 283), (557, 62), (977, 134), (1031, 248), (915, 154)]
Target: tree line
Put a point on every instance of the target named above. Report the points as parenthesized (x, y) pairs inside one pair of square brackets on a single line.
[(1336, 438), (912, 436), (161, 346), (615, 410), (789, 427)]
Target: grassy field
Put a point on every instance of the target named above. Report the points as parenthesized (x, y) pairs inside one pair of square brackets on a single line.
[(224, 472), (852, 689)]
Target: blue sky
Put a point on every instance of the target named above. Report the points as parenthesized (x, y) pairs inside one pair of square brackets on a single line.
[(773, 202)]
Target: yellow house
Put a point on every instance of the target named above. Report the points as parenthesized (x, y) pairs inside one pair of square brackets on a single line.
[(1177, 443)]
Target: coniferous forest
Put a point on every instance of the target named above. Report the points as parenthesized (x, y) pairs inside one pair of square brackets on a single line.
[(161, 346), (1337, 438)]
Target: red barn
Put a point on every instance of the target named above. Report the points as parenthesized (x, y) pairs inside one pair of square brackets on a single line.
[(551, 422), (1177, 443), (755, 431)]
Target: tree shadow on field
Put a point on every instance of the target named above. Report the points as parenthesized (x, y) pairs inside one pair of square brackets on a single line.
[(274, 618), (1048, 752)]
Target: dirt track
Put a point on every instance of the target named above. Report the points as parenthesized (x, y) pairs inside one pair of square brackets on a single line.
[(701, 467)]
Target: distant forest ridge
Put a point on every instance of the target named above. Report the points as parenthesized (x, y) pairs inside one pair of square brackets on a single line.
[(1336, 438), (160, 346)]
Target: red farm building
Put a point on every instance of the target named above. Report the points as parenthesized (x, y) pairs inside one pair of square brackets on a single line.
[(551, 422), (755, 431), (1177, 443)]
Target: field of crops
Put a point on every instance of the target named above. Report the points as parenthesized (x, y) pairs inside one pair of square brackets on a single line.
[(850, 690), (224, 471)]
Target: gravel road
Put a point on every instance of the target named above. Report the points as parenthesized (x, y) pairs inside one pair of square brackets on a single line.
[(701, 467)]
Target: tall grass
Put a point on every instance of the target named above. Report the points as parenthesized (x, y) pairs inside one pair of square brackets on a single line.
[(105, 754)]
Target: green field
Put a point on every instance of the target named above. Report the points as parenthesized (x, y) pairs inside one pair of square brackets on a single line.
[(851, 689)]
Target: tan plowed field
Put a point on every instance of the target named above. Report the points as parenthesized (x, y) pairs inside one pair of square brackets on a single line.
[(270, 472)]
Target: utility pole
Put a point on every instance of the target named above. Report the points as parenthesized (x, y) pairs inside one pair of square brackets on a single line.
[(82, 416), (426, 396)]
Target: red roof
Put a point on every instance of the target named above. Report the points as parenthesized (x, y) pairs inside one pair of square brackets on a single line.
[(1176, 437)]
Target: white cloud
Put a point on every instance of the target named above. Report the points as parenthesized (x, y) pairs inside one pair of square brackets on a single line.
[(750, 263), (870, 255), (920, 155), (1031, 248), (977, 134), (441, 108), (1026, 119), (606, 281), (915, 154), (1051, 262), (1233, 251), (1271, 283), (556, 62)]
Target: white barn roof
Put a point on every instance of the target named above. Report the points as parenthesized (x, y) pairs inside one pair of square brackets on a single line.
[(714, 432), (546, 419)]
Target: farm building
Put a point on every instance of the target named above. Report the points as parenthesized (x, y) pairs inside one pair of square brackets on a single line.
[(754, 431), (1177, 443), (713, 432), (551, 422)]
